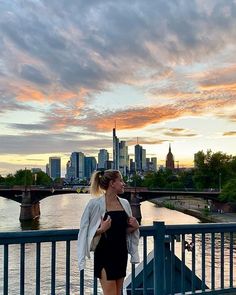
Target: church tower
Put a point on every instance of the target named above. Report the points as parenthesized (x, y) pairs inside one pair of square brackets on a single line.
[(170, 163)]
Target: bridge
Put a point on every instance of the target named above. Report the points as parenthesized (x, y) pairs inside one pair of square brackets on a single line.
[(30, 197), (208, 267), (36, 194), (144, 194)]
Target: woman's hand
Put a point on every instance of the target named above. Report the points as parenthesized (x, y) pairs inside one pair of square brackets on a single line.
[(104, 226), (132, 224)]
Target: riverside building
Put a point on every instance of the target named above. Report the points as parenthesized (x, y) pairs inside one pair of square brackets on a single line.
[(54, 167), (103, 158)]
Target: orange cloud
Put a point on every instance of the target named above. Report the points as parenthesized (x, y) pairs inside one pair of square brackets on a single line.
[(145, 140), (230, 133), (30, 94), (142, 117), (70, 95)]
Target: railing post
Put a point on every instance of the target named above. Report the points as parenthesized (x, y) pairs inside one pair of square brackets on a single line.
[(159, 257)]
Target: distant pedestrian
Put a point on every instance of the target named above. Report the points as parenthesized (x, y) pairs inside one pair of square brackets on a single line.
[(108, 228)]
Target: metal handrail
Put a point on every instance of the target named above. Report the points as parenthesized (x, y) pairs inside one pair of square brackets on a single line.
[(165, 239)]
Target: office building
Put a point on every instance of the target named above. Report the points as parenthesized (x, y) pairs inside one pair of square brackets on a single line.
[(138, 157), (75, 167), (115, 150), (103, 158), (90, 165), (123, 158), (154, 163), (54, 167)]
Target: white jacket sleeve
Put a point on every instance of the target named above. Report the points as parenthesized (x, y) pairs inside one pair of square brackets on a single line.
[(83, 236)]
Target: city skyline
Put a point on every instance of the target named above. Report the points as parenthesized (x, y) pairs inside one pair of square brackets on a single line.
[(162, 71)]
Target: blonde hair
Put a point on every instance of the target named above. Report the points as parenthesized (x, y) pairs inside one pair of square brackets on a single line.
[(100, 181)]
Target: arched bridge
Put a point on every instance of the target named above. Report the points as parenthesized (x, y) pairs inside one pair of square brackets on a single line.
[(144, 194), (36, 194), (30, 197)]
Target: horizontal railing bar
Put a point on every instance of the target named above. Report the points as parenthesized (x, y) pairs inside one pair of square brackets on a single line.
[(72, 234), (210, 292), (200, 228), (38, 236)]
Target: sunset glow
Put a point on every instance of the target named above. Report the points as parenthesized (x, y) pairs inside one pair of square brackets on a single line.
[(164, 71)]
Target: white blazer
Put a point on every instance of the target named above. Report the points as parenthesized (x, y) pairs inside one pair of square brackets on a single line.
[(90, 222)]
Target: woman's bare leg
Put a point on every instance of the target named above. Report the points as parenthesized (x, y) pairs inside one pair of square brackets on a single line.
[(119, 285), (111, 287)]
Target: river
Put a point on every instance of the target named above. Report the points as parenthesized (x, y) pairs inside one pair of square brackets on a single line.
[(61, 212)]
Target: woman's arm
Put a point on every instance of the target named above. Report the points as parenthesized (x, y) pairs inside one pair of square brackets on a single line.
[(104, 226), (132, 224)]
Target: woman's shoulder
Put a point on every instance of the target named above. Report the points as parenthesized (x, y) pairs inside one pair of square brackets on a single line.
[(124, 201), (96, 200)]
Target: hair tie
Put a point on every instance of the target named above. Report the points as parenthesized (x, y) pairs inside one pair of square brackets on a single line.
[(101, 173)]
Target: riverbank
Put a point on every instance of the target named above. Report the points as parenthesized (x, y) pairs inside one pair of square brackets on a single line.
[(196, 207)]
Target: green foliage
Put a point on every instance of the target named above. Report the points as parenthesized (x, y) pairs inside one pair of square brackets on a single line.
[(206, 211), (228, 193), (169, 205), (9, 180), (212, 169), (23, 177), (2, 180), (42, 179), (26, 177)]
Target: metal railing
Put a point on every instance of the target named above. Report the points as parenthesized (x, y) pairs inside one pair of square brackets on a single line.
[(184, 259)]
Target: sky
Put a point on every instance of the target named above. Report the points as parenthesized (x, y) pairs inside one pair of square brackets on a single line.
[(163, 71)]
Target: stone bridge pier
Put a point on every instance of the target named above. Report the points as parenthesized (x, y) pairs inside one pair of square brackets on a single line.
[(28, 210)]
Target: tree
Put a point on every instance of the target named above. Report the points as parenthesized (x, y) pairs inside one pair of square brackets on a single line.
[(2, 180), (9, 180), (43, 179), (228, 193), (210, 168), (23, 177)]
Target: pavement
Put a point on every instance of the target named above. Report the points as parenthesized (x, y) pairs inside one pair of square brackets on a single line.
[(196, 207)]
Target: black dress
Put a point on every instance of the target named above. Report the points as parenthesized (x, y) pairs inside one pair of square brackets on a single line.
[(111, 252)]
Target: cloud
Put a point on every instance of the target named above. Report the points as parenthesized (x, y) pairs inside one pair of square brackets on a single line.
[(88, 45), (230, 133), (179, 132), (34, 75), (51, 143), (57, 57)]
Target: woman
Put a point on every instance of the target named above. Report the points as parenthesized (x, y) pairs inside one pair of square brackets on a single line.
[(108, 228)]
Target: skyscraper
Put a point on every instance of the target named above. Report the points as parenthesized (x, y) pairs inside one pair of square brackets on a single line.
[(54, 167), (90, 165), (75, 168), (81, 165), (123, 157), (103, 158), (115, 150), (154, 163), (138, 157)]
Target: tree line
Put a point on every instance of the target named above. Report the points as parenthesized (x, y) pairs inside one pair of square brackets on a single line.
[(212, 171)]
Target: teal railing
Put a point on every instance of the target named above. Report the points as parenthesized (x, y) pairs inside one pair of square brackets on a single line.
[(176, 259)]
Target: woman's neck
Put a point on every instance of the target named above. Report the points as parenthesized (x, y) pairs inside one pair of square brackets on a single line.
[(111, 196)]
